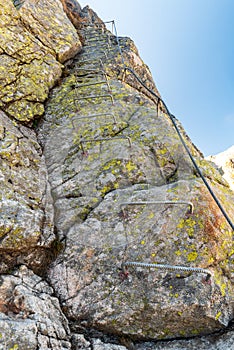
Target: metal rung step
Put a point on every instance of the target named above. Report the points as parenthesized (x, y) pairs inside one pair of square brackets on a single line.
[(89, 53), (96, 45), (127, 138), (98, 115), (90, 84), (90, 70), (190, 204), (92, 60), (99, 55), (104, 40), (95, 96), (92, 24), (95, 51), (93, 35)]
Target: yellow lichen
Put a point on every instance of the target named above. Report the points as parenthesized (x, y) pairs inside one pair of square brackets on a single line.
[(130, 166), (178, 253), (192, 256), (151, 216)]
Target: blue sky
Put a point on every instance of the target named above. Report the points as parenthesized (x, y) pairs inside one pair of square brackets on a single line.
[(189, 47)]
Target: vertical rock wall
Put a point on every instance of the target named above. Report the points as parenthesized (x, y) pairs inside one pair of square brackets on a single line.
[(103, 181), (122, 184)]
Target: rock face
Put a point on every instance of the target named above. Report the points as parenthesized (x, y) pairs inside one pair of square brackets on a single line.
[(118, 153), (33, 43), (101, 183), (215, 342), (25, 301), (26, 222), (225, 162)]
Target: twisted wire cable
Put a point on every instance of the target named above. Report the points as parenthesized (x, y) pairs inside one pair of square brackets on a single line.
[(168, 267)]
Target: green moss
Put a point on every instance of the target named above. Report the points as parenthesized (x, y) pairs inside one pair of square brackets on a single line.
[(182, 333)]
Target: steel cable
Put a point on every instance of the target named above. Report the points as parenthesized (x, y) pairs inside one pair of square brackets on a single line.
[(168, 267), (172, 118)]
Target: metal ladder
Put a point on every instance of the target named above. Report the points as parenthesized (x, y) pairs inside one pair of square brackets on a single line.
[(101, 69)]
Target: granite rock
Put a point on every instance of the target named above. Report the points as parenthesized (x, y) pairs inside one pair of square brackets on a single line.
[(212, 342), (225, 163), (26, 218), (31, 40), (119, 148), (30, 316), (102, 180)]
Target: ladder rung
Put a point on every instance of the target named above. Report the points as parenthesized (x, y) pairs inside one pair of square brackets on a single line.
[(96, 41), (90, 84), (103, 52), (90, 70), (92, 24), (106, 139), (89, 53), (95, 96), (91, 60), (93, 35), (190, 204), (96, 46), (98, 115), (93, 51)]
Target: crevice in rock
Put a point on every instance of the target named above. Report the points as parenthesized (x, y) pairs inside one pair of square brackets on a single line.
[(18, 3)]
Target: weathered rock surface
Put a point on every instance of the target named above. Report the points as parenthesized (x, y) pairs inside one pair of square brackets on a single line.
[(117, 149), (213, 342), (99, 345), (30, 316), (26, 217), (30, 41), (104, 181), (225, 162), (55, 32)]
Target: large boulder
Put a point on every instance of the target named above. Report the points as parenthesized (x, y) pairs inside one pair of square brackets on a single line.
[(55, 32), (123, 187)]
